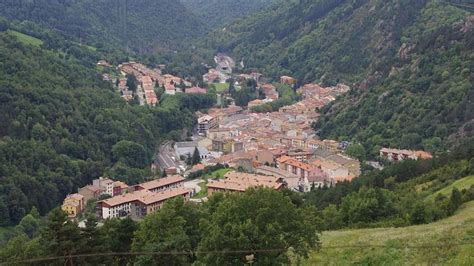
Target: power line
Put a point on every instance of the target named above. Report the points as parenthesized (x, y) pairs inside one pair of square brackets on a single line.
[(186, 253), (163, 253)]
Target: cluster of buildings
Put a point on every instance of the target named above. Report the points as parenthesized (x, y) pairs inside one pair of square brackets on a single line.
[(400, 155), (223, 70), (283, 140), (134, 201), (125, 92), (147, 80), (144, 198), (314, 97), (74, 204)]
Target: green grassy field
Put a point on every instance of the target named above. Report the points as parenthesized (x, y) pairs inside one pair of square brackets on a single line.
[(220, 87), (26, 39), (463, 183), (218, 173), (438, 244)]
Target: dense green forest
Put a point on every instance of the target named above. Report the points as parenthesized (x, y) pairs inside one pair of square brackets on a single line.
[(62, 126), (409, 65), (425, 100), (138, 24), (218, 13)]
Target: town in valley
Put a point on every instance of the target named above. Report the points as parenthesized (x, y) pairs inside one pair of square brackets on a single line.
[(232, 147)]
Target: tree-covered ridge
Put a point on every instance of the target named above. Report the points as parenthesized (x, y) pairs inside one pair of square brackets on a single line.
[(138, 24), (62, 126), (424, 96), (409, 64), (217, 13), (264, 39)]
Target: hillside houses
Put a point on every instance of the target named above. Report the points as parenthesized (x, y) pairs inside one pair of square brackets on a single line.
[(287, 80), (73, 205), (317, 92), (270, 91), (400, 155), (149, 79), (149, 88), (283, 139), (215, 76)]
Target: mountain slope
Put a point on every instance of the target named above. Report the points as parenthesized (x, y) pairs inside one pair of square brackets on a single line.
[(220, 12), (448, 232), (139, 24), (422, 97), (409, 64), (62, 126)]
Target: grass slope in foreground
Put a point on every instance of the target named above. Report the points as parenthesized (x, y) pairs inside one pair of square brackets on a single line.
[(463, 183), (458, 228)]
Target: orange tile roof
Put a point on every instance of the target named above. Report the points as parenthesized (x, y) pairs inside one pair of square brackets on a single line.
[(145, 196), (299, 164), (343, 178), (147, 80), (91, 188), (423, 155), (242, 181), (120, 184), (125, 198), (151, 197), (283, 159), (75, 196), (161, 182)]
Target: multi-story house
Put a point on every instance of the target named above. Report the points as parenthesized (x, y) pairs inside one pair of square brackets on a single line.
[(89, 192), (73, 205), (294, 167), (205, 123), (161, 184), (138, 204)]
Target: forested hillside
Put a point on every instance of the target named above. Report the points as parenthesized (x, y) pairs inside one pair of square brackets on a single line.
[(138, 24), (409, 64), (62, 126), (218, 13)]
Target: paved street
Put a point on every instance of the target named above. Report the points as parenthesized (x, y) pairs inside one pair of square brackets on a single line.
[(166, 157)]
